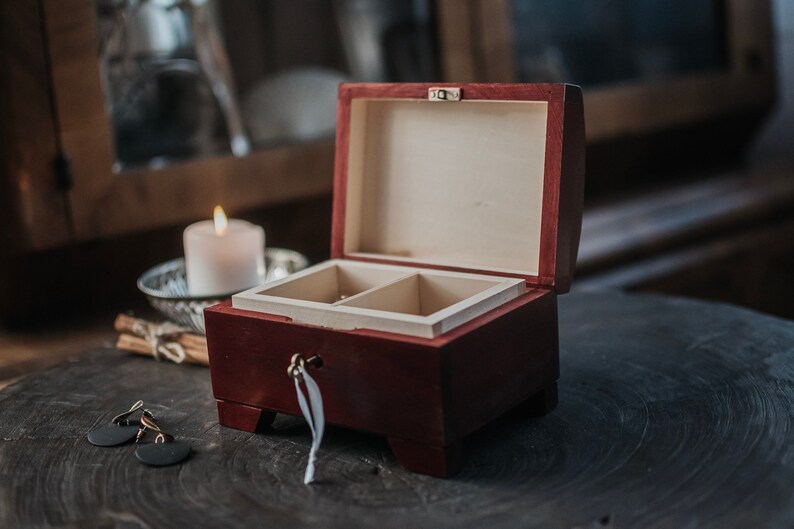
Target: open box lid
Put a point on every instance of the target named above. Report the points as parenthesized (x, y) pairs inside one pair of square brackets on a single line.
[(483, 178)]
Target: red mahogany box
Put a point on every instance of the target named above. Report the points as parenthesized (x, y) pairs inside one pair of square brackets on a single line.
[(456, 220)]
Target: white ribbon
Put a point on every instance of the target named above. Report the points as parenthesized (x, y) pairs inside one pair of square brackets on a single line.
[(155, 335), (315, 418)]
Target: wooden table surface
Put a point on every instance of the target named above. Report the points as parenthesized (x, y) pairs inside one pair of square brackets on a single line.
[(673, 413)]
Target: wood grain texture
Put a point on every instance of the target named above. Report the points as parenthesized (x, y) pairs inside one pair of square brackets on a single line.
[(105, 203), (738, 268), (672, 414), (476, 47), (424, 391), (571, 194), (401, 300), (648, 224), (563, 168), (31, 205), (452, 184)]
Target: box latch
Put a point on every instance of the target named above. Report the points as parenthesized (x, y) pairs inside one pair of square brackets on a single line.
[(444, 94)]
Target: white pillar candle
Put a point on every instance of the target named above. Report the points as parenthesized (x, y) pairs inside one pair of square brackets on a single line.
[(223, 256)]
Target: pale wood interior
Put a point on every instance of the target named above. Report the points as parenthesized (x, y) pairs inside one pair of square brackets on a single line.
[(332, 284), (345, 294), (454, 183), (420, 294)]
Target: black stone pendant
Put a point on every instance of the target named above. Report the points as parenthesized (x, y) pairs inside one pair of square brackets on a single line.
[(163, 454), (112, 435)]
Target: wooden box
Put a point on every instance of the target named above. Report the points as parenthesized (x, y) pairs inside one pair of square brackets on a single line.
[(457, 212)]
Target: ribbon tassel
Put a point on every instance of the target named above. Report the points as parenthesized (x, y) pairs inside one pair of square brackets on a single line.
[(314, 415)]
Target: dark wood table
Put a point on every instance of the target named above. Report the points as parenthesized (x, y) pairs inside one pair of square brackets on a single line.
[(672, 414)]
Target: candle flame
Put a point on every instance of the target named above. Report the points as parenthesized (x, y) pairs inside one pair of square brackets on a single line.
[(221, 223)]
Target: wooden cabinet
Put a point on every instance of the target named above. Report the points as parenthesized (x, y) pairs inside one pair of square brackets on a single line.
[(53, 104), (52, 109)]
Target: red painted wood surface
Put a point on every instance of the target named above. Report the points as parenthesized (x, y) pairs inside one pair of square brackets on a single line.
[(424, 394), (500, 365), (571, 192), (563, 185), (439, 461), (246, 418)]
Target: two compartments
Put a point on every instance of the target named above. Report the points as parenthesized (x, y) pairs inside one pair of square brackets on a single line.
[(443, 210), (357, 295)]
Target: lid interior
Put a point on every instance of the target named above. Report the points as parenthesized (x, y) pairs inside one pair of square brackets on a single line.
[(457, 184)]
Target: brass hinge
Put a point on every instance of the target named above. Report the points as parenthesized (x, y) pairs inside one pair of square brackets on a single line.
[(445, 94)]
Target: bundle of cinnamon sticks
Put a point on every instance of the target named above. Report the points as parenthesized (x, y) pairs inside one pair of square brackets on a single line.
[(132, 338)]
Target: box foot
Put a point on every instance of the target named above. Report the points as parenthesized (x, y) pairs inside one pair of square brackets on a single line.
[(242, 417), (543, 401), (437, 461)]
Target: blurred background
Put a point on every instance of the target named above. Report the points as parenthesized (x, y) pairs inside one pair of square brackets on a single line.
[(121, 121)]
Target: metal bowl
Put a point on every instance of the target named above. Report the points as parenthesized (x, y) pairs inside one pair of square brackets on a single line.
[(165, 286)]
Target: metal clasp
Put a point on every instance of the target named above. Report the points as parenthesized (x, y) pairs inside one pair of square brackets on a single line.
[(444, 94), (298, 363)]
